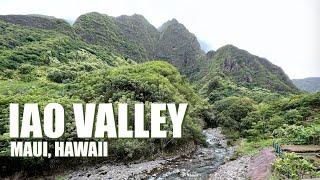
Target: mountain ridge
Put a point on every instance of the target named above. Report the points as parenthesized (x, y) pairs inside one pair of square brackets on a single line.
[(135, 38), (245, 69), (40, 22)]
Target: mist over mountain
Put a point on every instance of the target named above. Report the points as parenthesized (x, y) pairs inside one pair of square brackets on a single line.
[(204, 45), (311, 84)]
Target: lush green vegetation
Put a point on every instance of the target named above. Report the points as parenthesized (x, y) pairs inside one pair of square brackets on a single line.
[(251, 99), (247, 147), (149, 82), (257, 113), (261, 117), (254, 117), (108, 35), (44, 66)]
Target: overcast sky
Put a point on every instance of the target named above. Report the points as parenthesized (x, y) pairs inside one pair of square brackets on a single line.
[(287, 32)]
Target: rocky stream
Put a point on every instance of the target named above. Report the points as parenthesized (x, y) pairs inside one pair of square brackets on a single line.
[(198, 165)]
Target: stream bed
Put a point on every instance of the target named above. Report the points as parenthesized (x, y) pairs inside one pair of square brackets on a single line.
[(198, 165), (201, 163)]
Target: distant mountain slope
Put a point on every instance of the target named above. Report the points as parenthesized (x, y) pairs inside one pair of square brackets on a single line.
[(40, 21), (131, 36), (311, 84), (248, 70)]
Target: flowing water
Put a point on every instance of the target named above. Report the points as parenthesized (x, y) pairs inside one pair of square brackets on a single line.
[(199, 165)]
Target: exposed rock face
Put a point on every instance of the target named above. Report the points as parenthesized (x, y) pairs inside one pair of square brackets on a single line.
[(179, 47), (260, 166), (230, 65), (249, 70), (236, 169), (39, 21), (210, 54), (247, 167)]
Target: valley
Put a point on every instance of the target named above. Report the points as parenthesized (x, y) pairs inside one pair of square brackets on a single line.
[(125, 59)]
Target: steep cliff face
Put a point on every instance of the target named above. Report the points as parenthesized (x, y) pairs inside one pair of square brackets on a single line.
[(180, 47), (137, 29), (249, 70), (40, 22), (210, 54), (135, 37)]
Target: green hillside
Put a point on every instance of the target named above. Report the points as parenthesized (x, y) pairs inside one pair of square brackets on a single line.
[(106, 31), (245, 69), (44, 66), (41, 22), (133, 37)]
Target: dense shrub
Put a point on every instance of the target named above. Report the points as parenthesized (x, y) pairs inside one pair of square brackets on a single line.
[(294, 167), (299, 134), (97, 82), (26, 69), (148, 82), (59, 76), (231, 113)]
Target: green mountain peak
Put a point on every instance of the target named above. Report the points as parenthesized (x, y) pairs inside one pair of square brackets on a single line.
[(248, 70)]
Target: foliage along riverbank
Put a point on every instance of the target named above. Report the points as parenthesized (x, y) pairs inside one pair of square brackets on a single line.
[(289, 120)]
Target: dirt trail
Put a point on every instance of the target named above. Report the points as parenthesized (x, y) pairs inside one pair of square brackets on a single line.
[(247, 167), (260, 166)]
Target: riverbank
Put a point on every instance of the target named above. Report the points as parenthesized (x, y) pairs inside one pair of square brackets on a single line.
[(198, 164), (140, 169), (190, 161)]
